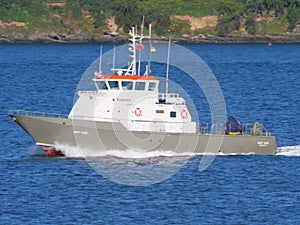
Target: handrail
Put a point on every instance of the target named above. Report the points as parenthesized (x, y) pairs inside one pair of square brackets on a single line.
[(169, 95), (35, 113), (249, 129), (205, 129), (87, 92), (170, 98)]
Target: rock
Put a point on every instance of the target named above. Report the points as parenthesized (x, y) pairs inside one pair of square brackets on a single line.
[(110, 33), (83, 37), (114, 37), (110, 39), (5, 39), (114, 34), (186, 36), (105, 32), (55, 36), (105, 38)]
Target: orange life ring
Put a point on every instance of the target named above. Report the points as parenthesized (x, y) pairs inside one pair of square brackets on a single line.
[(184, 114), (138, 112)]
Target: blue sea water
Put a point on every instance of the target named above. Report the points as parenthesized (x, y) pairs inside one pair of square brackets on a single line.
[(259, 83)]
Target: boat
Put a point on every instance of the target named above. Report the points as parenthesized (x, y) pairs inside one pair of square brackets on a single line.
[(127, 111)]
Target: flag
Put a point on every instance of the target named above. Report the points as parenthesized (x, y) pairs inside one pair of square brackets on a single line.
[(152, 49), (139, 46)]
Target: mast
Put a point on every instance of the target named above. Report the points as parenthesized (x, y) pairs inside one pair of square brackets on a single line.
[(134, 45), (137, 40), (132, 49), (140, 45), (100, 61), (114, 58), (167, 72)]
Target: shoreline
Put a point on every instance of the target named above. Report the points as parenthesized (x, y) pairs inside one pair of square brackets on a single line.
[(201, 39)]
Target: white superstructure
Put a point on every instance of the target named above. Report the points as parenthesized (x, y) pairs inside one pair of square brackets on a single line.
[(133, 100)]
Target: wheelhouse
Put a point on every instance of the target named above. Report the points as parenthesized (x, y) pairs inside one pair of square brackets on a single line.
[(126, 83)]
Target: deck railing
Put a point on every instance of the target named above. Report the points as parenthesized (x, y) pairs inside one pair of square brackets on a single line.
[(170, 98), (256, 129), (87, 92), (36, 113)]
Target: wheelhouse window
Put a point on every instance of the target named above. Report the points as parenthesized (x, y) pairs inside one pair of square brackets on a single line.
[(127, 85), (173, 114), (114, 85), (101, 85), (140, 86), (152, 86)]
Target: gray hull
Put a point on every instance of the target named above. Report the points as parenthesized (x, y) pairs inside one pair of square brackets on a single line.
[(93, 137)]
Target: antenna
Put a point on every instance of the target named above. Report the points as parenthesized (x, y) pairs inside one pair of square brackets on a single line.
[(140, 48), (114, 55), (142, 28), (100, 60), (167, 72), (133, 56), (148, 70)]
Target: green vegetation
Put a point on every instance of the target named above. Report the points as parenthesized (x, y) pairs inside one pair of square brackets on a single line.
[(63, 16), (271, 27), (251, 24), (179, 27)]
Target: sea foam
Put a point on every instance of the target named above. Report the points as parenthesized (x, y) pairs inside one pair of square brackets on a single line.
[(289, 150), (73, 152)]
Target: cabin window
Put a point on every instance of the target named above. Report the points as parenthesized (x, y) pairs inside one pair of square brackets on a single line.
[(127, 85), (152, 86), (114, 85), (102, 85), (140, 86), (173, 114)]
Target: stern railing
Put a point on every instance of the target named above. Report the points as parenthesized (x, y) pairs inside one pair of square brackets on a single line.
[(253, 129)]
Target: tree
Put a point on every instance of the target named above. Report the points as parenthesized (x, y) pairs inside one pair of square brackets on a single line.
[(293, 17), (160, 19), (250, 24), (255, 7), (76, 14), (127, 13), (223, 27)]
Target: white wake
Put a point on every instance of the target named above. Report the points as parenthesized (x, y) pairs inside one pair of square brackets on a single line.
[(73, 152), (289, 150)]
